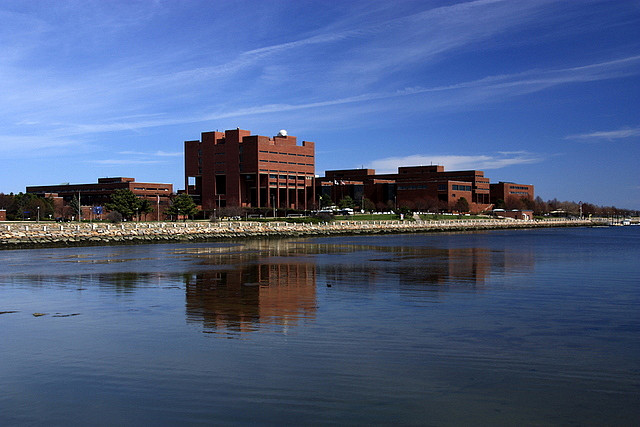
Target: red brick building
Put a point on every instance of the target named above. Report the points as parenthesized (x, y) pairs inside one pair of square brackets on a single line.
[(415, 187), (236, 168), (510, 190), (94, 195)]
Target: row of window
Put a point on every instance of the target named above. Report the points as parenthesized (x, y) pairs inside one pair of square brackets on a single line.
[(285, 154), (518, 187), (290, 177), (454, 187), (287, 163), (519, 192), (301, 185), (276, 172), (219, 153), (96, 190), (412, 187)]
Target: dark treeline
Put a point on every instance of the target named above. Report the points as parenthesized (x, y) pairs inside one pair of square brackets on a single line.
[(26, 206), (123, 204), (557, 207)]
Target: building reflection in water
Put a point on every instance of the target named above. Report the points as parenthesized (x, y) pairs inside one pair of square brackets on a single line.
[(250, 297), (272, 285), (435, 270)]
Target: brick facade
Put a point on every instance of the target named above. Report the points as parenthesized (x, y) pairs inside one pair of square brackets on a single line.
[(93, 195), (415, 187), (236, 168), (506, 190)]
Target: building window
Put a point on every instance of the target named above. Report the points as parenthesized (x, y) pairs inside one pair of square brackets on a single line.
[(456, 187)]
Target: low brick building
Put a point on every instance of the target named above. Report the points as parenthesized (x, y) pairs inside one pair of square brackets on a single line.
[(415, 187), (96, 195), (510, 190)]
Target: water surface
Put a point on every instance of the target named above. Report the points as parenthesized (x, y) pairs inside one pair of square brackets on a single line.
[(503, 327)]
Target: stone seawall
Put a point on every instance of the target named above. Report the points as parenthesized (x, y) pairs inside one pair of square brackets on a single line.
[(25, 235)]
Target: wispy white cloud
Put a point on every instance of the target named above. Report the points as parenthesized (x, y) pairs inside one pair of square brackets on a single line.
[(456, 162), (158, 153), (33, 144), (128, 93), (607, 135), (118, 162), (126, 84), (485, 90), (131, 157)]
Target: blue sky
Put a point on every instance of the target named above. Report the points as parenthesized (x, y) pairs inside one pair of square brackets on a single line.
[(537, 92)]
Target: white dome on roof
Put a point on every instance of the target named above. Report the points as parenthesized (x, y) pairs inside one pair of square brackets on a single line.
[(282, 132)]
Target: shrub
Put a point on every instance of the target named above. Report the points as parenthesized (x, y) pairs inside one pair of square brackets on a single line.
[(114, 217)]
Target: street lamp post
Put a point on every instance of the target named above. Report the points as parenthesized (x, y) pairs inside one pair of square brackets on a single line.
[(274, 205), (38, 218)]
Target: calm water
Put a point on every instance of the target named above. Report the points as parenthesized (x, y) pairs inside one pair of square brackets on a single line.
[(498, 328)]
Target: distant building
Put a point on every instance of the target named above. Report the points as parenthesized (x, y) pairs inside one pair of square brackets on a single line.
[(97, 195), (236, 168), (510, 190), (415, 187), (525, 214)]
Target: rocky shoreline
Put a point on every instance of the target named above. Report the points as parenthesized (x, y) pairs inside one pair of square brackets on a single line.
[(34, 235)]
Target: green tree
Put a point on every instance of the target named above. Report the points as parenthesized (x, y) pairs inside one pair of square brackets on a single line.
[(183, 204), (346, 202), (145, 207), (74, 204), (325, 201), (124, 202), (404, 212), (462, 205), (368, 205), (27, 205), (40, 207)]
